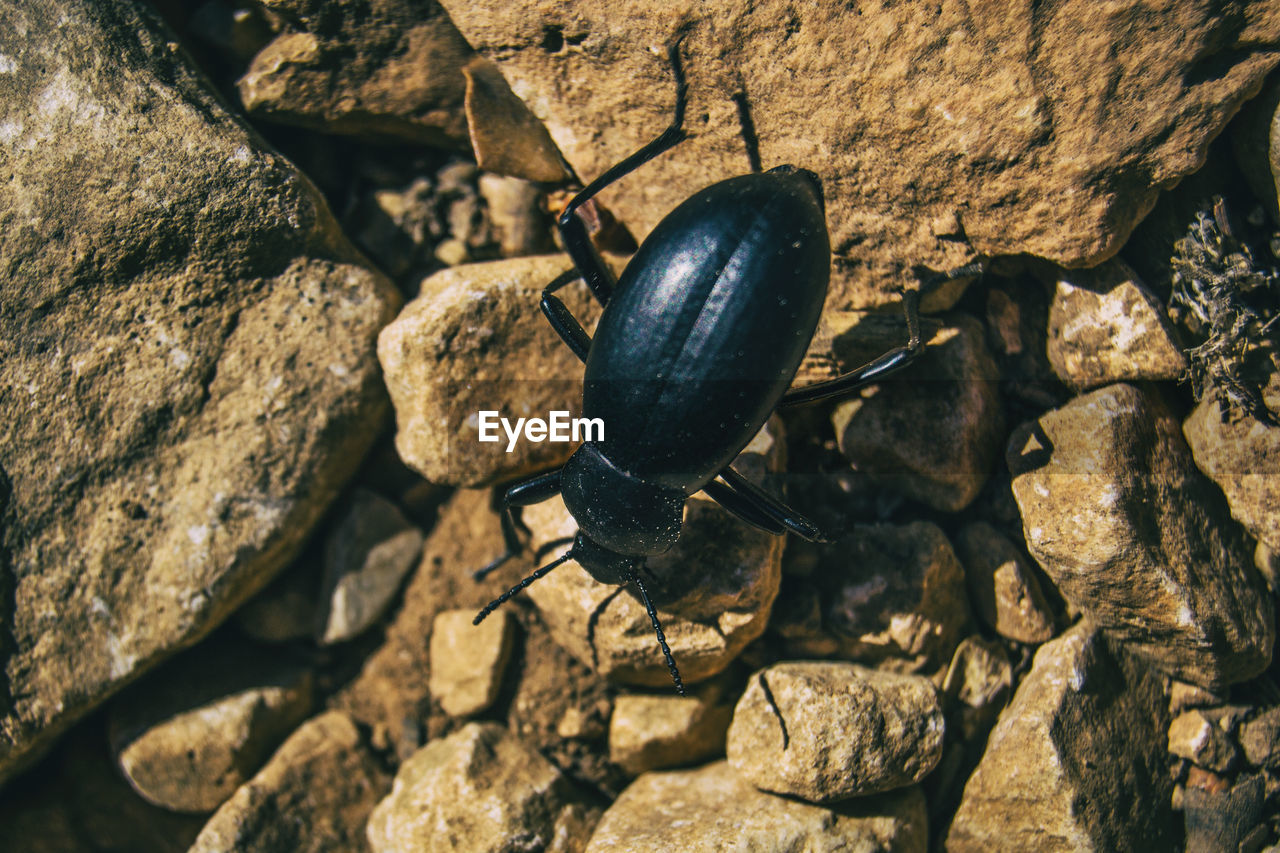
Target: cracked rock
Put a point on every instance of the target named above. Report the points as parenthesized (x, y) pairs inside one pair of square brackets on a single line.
[(480, 789), (1137, 538), (713, 808), (1077, 760), (827, 731)]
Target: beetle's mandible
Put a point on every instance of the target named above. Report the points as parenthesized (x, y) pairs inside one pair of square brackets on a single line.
[(698, 343)]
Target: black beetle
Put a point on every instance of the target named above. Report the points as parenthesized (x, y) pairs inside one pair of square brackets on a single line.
[(697, 345)]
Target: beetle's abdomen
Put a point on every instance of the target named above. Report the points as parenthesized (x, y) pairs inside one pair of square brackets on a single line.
[(708, 326)]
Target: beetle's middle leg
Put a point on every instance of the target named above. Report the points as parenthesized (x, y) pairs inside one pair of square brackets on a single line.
[(894, 360), (525, 493), (573, 231)]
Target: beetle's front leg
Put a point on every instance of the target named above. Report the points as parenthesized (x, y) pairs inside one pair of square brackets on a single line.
[(525, 493)]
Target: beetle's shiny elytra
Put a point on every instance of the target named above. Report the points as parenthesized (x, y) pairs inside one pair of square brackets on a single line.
[(698, 343)]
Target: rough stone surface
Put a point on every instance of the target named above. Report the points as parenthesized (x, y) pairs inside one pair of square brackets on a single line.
[(1002, 586), (190, 735), (287, 609), (649, 732), (1242, 456), (713, 808), (1260, 739), (885, 595), (1106, 326), (713, 590), (370, 549), (1137, 538), (388, 69), (1223, 819), (827, 731), (323, 778), (474, 340), (480, 789), (976, 687), (932, 431), (468, 661), (1077, 761), (1195, 737), (186, 369), (506, 138), (928, 125)]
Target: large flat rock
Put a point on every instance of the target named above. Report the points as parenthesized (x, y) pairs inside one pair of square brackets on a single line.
[(938, 129), (187, 371)]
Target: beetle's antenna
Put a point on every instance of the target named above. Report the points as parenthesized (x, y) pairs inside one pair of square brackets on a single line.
[(657, 627), (502, 599)]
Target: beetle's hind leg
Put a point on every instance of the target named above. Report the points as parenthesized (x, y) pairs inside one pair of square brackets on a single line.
[(573, 231), (894, 360), (756, 507), (531, 491)]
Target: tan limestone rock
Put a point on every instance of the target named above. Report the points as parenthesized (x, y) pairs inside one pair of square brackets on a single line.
[(1138, 539), (186, 366)]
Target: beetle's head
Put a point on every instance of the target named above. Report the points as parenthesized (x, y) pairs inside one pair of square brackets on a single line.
[(617, 513), (604, 565)]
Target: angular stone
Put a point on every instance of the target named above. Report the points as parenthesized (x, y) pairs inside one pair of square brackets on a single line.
[(713, 590), (1183, 696), (1223, 820), (388, 70), (190, 735), (506, 138), (888, 596), (370, 549), (480, 789), (920, 147), (932, 431), (314, 794), (713, 808), (474, 340), (468, 661), (1106, 326), (1242, 455), (1076, 762), (1004, 589), (1260, 739), (1137, 538), (1195, 737), (827, 731), (976, 687), (186, 366), (657, 732)]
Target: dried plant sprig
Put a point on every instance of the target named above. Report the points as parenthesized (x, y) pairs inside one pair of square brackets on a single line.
[(1225, 298)]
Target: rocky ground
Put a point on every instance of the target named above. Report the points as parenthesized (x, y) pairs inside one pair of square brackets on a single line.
[(262, 263)]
